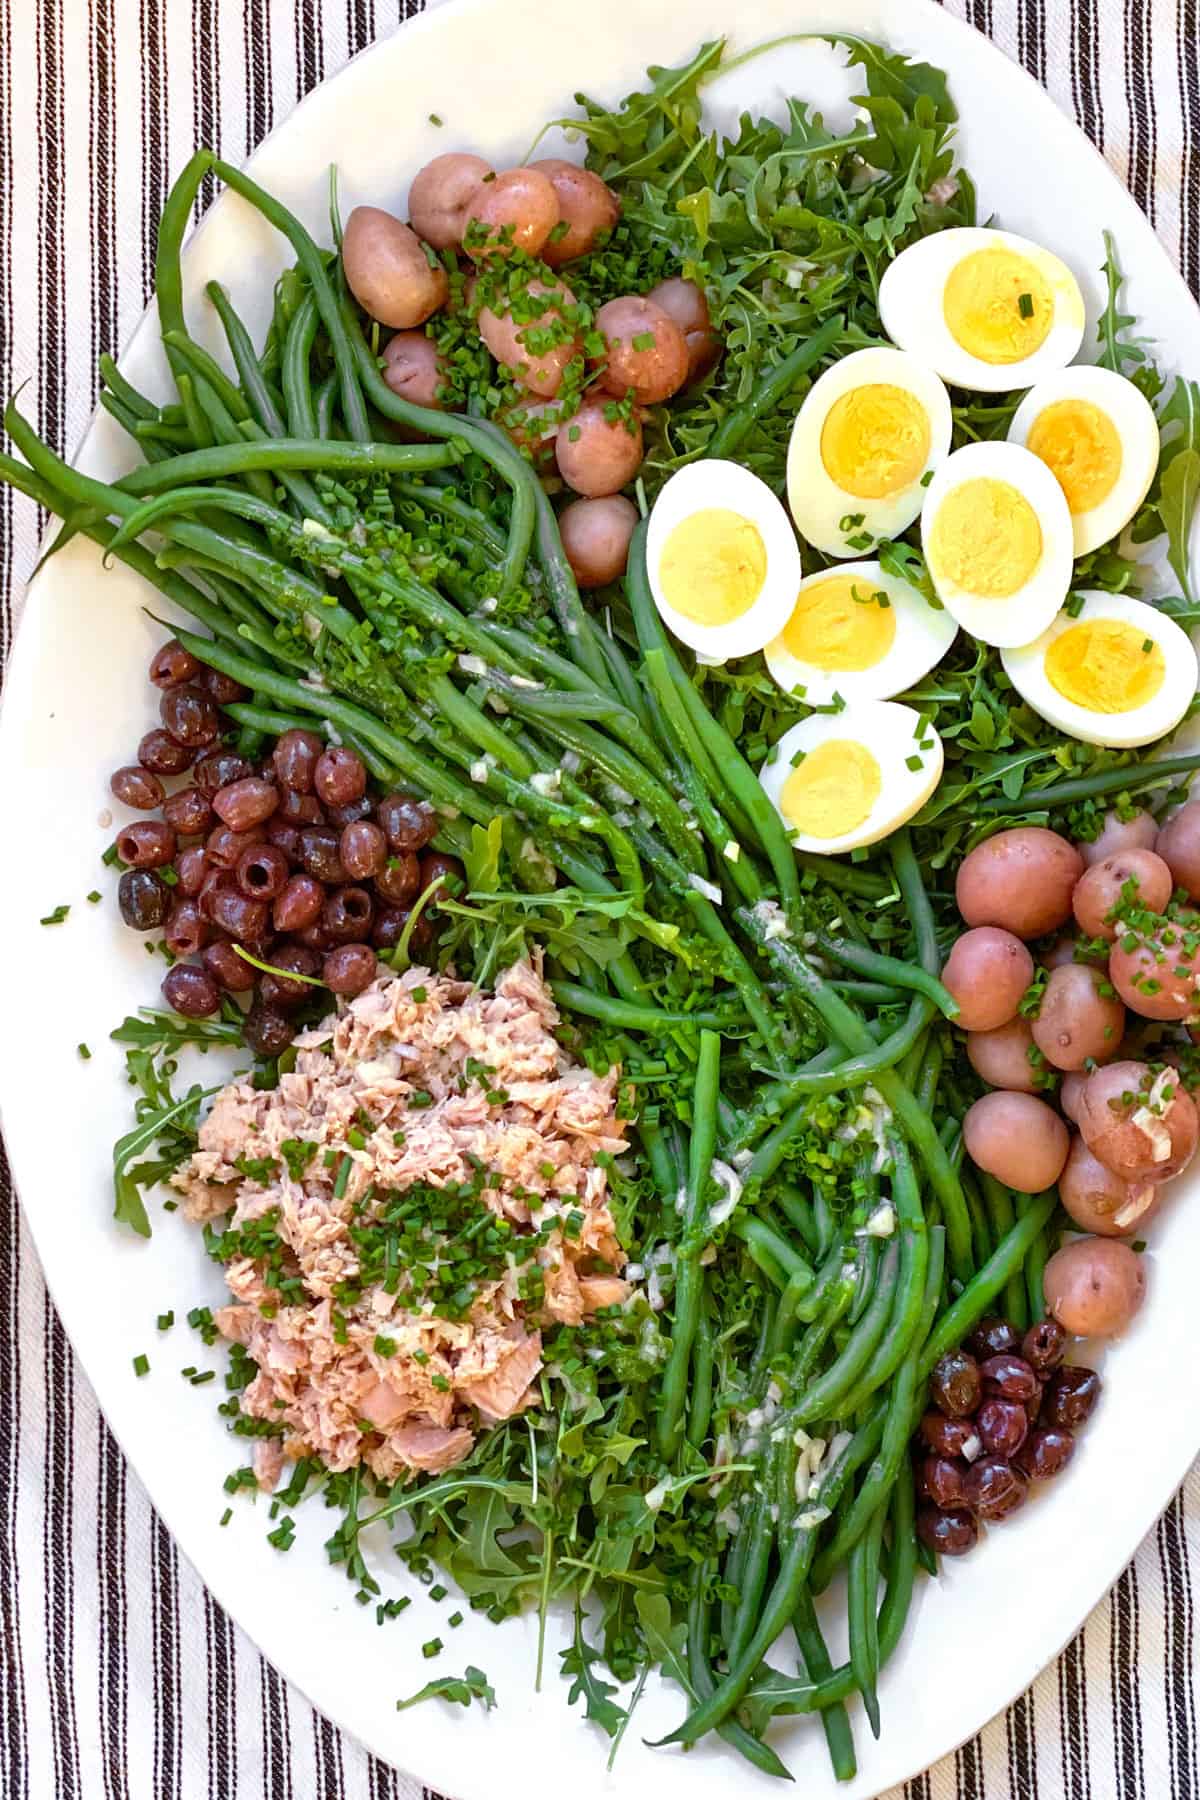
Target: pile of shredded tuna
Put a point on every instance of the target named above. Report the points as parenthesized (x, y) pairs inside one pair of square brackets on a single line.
[(422, 1082)]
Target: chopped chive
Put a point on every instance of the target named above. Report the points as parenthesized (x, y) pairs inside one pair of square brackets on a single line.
[(165, 1321), (141, 1365), (94, 897), (1025, 305), (225, 1516), (56, 917), (85, 1054)]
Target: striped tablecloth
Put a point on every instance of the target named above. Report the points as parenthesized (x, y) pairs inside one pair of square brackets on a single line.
[(120, 1678)]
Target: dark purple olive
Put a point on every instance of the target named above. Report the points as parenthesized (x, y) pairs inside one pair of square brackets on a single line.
[(319, 854), (295, 760), (1071, 1395), (300, 809), (143, 899), (222, 687), (190, 812), (347, 915), (225, 846), (314, 936), (191, 866), (1002, 1426), (146, 844), (191, 990), (433, 864), (400, 878), (230, 970), (220, 768), (246, 803), (947, 1533), (389, 925), (942, 1480), (186, 931), (216, 881), (137, 787), (278, 990), (262, 870), (267, 1030), (1033, 1406), (341, 816), (1043, 1346), (955, 1385), (1046, 1452), (298, 903), (993, 1337), (172, 665), (339, 776), (994, 1488), (363, 850), (950, 1437), (243, 919), (190, 715), (286, 838), (407, 824), (349, 969), (1009, 1376), (159, 753)]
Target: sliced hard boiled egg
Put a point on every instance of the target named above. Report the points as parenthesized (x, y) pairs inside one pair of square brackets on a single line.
[(857, 632), (723, 560), (1118, 673), (867, 435), (987, 309), (1098, 435), (842, 780), (998, 542)]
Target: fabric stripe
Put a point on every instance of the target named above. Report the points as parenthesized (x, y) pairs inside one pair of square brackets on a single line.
[(1189, 169), (112, 1662), (14, 1760)]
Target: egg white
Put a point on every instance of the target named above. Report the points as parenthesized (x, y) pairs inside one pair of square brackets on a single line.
[(924, 633), (818, 505), (1019, 617), (725, 485), (910, 306), (1133, 419), (1026, 669), (892, 733)]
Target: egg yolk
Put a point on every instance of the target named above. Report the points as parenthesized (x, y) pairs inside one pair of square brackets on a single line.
[(839, 624), (1106, 666), (713, 566), (986, 538), (1082, 448), (875, 440), (833, 790), (998, 305)]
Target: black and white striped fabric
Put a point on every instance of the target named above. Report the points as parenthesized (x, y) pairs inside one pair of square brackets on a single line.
[(120, 1678)]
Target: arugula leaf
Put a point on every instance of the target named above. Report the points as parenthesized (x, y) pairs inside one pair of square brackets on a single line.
[(579, 1662), (1179, 474), (667, 1643), (473, 1684), (1118, 351), (153, 1030), (482, 858), (890, 73), (771, 1693), (128, 1180)]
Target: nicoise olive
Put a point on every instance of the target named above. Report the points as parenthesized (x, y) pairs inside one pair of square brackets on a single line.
[(1002, 1426), (1043, 1346), (1046, 1452), (1071, 1395), (1009, 1376), (950, 1437), (994, 1488), (993, 1337), (191, 990), (950, 1533), (142, 898), (955, 1384)]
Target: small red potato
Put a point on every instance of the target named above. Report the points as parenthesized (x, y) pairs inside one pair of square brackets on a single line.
[(987, 971), (645, 352), (587, 210), (1140, 1125), (597, 455), (388, 270), (515, 210), (1178, 843), (439, 200), (1001, 1056), (1061, 951), (1103, 887), (508, 340), (1021, 880), (1080, 1018), (413, 368), (1118, 835), (595, 535), (1018, 1139), (1158, 976), (1070, 1096), (1100, 1201), (686, 303), (533, 428), (1094, 1286)]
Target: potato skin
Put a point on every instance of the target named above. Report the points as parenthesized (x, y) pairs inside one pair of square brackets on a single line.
[(413, 368), (602, 455), (1178, 843), (1070, 1095), (1106, 1122), (1094, 1286), (1021, 880), (1100, 1201), (440, 197), (586, 206), (388, 271), (1077, 1020), (523, 199), (1001, 1056), (505, 338), (1158, 977), (1099, 889), (652, 374), (595, 535), (987, 971), (1118, 835), (686, 302), (1018, 1139)]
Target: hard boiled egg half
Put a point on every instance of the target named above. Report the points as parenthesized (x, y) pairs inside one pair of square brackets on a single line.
[(1118, 673), (998, 542), (857, 632), (1098, 436), (722, 559), (865, 439), (987, 309), (842, 780)]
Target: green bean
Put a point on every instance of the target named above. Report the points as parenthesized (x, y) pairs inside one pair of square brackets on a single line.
[(701, 1678), (915, 1265), (930, 1074), (326, 401), (1035, 1266), (294, 370), (846, 877), (758, 1237), (861, 1590), (870, 993), (797, 1211), (866, 1269), (124, 390), (815, 1664), (1089, 787), (162, 435), (225, 429), (689, 1276), (758, 1531), (700, 1394), (276, 454), (1001, 1213), (878, 967), (255, 386), (829, 1276), (168, 281), (209, 369), (773, 387), (625, 1017), (563, 589), (916, 901), (982, 1290), (822, 1398)]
